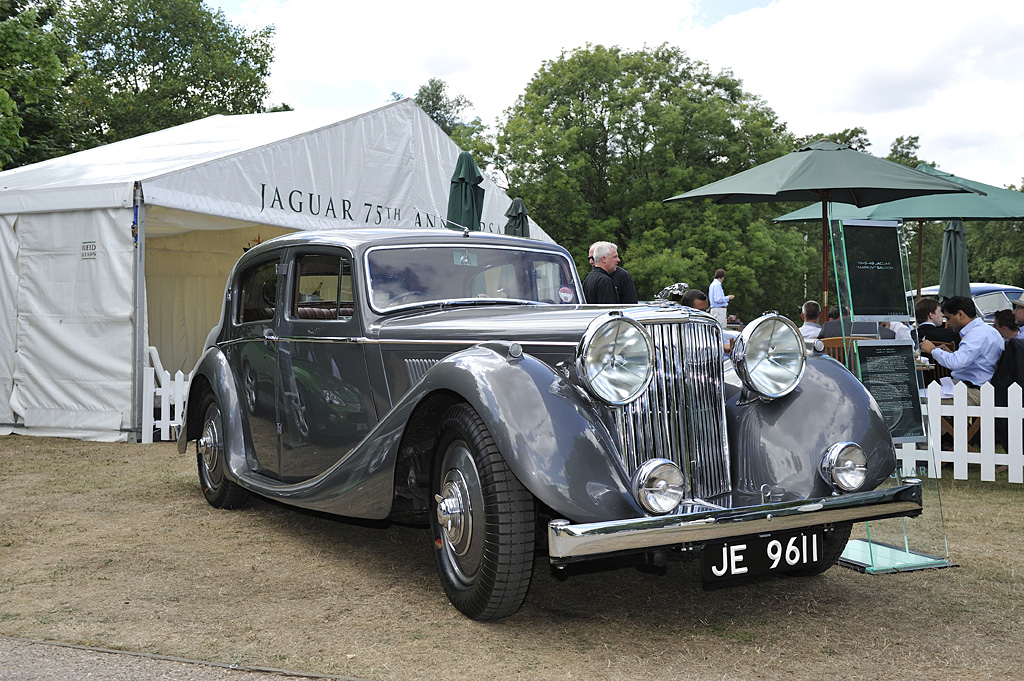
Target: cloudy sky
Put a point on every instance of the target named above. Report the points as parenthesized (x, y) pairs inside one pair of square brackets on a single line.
[(951, 73)]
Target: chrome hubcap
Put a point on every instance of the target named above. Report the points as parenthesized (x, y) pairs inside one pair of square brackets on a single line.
[(454, 513), (210, 443)]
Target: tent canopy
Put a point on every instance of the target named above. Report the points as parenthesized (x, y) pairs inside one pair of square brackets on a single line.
[(296, 170), (81, 301)]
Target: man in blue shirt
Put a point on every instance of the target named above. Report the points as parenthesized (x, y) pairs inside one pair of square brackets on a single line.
[(719, 301), (980, 347)]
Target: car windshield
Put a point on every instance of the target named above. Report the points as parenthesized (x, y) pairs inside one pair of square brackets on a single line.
[(404, 276)]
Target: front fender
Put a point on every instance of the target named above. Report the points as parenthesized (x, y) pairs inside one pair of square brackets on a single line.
[(549, 433), (781, 443)]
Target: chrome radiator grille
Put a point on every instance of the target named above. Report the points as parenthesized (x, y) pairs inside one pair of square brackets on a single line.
[(681, 417)]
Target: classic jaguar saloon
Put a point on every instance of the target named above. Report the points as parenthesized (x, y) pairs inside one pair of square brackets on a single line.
[(457, 379)]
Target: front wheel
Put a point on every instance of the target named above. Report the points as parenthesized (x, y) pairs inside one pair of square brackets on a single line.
[(211, 459), (482, 521)]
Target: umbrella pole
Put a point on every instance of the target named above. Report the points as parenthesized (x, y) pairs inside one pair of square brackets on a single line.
[(824, 253), (920, 254)]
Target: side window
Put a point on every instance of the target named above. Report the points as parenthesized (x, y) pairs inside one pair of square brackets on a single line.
[(553, 286), (258, 293), (323, 287)]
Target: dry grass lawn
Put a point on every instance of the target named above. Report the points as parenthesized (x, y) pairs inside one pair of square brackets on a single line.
[(112, 545)]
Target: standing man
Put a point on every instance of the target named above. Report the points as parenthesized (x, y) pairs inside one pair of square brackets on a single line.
[(598, 287), (974, 360), (624, 288), (719, 301), (811, 314)]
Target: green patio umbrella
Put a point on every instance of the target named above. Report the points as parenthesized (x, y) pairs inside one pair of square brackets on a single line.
[(518, 220), (984, 202), (953, 277), (465, 196), (826, 172)]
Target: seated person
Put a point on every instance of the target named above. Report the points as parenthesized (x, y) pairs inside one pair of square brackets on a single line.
[(1006, 324), (900, 330), (974, 360), (1018, 314), (696, 299), (930, 323), (811, 314), (847, 327)]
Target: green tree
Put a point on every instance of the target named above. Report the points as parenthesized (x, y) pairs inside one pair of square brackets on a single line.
[(995, 250), (602, 136), (154, 64), (30, 71), (857, 138), (903, 150), (448, 112)]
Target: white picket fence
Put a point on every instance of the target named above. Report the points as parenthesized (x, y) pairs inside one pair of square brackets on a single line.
[(916, 462), (162, 395), (165, 395)]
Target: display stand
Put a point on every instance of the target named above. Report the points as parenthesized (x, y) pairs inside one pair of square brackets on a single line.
[(872, 277)]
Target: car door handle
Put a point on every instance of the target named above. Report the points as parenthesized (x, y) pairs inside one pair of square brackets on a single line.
[(268, 334)]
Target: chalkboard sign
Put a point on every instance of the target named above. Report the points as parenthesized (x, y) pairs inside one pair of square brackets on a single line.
[(888, 370), (874, 265)]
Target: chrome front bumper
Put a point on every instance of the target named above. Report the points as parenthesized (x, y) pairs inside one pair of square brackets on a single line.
[(567, 542)]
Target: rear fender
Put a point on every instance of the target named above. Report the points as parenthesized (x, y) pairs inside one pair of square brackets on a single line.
[(213, 374)]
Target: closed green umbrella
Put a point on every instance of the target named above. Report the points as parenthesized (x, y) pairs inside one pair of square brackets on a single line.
[(953, 277), (826, 172), (466, 196), (518, 221)]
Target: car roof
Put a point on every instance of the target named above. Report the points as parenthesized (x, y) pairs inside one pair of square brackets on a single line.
[(977, 289), (360, 239)]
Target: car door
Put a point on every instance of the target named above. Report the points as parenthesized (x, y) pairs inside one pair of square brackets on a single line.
[(253, 357), (324, 400)]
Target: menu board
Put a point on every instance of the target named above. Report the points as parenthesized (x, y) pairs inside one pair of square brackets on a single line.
[(888, 370), (874, 266)]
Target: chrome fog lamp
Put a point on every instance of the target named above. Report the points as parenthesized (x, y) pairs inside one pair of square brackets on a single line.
[(615, 359), (845, 466), (659, 486), (769, 356)]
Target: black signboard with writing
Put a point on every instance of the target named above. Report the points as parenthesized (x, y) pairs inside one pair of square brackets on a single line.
[(888, 370), (874, 267)]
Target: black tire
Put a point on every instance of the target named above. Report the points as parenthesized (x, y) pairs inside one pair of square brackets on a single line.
[(482, 521), (833, 544), (210, 458)]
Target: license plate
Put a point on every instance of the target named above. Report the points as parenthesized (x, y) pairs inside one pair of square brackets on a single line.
[(761, 554)]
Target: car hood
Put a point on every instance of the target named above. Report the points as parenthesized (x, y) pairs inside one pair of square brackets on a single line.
[(525, 324)]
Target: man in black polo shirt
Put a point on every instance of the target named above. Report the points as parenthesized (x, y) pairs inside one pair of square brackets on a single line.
[(599, 286)]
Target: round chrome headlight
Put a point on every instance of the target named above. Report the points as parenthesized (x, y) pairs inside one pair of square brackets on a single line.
[(615, 359), (658, 486), (769, 356), (844, 466)]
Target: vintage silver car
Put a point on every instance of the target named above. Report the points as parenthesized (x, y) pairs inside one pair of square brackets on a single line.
[(457, 379)]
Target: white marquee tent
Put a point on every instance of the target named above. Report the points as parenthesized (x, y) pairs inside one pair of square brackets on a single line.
[(148, 229)]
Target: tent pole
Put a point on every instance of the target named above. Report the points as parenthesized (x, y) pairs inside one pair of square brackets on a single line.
[(139, 302)]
